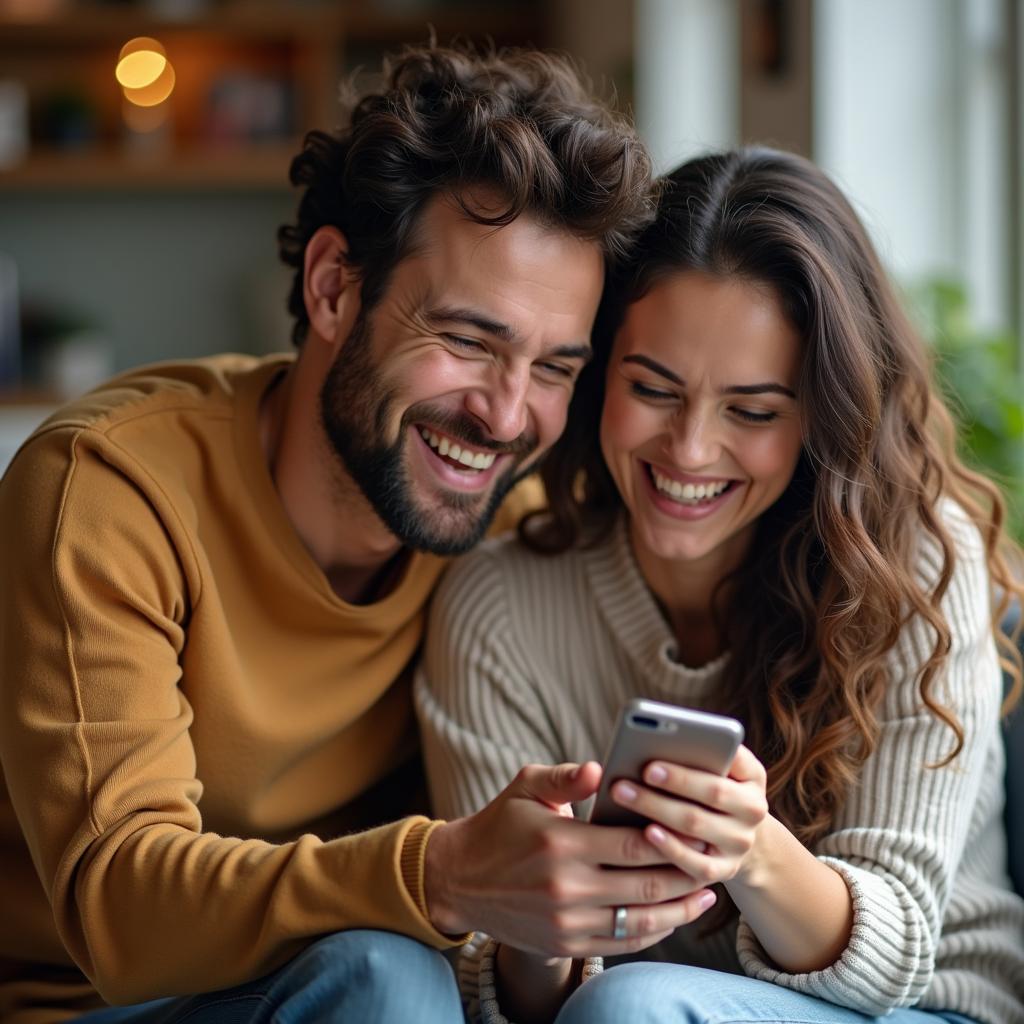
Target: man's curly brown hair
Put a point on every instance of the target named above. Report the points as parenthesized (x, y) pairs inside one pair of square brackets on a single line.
[(519, 122)]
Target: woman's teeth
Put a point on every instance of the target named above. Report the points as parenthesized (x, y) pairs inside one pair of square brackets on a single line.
[(687, 494), (458, 453)]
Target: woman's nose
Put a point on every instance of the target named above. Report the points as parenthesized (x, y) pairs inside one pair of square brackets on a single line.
[(694, 440)]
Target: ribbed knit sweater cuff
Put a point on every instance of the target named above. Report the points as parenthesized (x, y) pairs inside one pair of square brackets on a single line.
[(413, 866)]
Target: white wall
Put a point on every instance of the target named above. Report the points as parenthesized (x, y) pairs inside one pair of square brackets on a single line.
[(910, 108), (885, 107), (987, 229), (687, 77), (910, 117)]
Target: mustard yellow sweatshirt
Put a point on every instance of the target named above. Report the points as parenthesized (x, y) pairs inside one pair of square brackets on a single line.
[(191, 721)]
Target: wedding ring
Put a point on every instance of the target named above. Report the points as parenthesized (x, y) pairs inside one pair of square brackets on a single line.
[(619, 931)]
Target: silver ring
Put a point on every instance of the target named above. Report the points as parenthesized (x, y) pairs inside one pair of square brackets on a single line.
[(619, 931)]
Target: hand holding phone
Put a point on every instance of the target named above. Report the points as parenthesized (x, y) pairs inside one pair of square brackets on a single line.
[(649, 730)]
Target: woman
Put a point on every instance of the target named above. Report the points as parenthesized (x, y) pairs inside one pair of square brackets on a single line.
[(774, 526)]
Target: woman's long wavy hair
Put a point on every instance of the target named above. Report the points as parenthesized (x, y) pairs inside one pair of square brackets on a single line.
[(830, 581)]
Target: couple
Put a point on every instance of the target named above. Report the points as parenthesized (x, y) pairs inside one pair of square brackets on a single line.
[(216, 573)]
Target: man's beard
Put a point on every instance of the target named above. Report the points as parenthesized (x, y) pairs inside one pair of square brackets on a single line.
[(355, 406)]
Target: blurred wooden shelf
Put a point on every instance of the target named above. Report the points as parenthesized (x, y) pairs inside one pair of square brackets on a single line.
[(97, 22), (298, 48), (90, 23), (256, 167)]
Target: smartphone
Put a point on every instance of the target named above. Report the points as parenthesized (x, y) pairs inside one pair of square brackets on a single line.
[(648, 730)]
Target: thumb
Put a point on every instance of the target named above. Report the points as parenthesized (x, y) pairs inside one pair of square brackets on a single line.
[(559, 784)]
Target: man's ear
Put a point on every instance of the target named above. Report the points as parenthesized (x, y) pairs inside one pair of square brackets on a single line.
[(330, 286)]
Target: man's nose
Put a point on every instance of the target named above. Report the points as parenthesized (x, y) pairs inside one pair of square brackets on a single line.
[(500, 403)]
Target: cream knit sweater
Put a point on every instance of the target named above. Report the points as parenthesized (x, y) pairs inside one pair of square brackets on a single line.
[(529, 659)]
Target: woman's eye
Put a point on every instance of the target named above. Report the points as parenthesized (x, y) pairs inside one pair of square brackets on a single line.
[(755, 417), (643, 391)]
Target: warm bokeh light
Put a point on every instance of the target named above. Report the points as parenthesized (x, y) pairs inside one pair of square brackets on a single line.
[(140, 62), (142, 43), (140, 69), (144, 120), (156, 92), (145, 73)]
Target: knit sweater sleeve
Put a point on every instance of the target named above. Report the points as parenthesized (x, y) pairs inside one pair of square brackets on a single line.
[(98, 758), (482, 719), (902, 832)]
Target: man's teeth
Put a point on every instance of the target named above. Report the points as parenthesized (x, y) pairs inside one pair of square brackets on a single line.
[(445, 446), (688, 494)]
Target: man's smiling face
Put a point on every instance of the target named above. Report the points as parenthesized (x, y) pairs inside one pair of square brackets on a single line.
[(455, 383)]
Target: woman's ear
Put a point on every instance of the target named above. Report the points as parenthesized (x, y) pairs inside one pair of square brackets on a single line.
[(330, 286)]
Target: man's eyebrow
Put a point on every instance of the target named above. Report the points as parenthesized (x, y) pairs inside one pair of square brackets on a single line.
[(735, 389), (474, 318), (582, 352), (502, 331)]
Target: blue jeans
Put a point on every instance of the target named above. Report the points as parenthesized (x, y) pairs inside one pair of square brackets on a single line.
[(347, 978), (657, 993)]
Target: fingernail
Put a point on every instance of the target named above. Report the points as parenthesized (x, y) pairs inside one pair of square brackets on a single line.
[(656, 773), (575, 773), (655, 834), (624, 791), (707, 899)]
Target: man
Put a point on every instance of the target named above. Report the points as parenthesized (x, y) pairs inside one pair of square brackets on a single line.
[(215, 576)]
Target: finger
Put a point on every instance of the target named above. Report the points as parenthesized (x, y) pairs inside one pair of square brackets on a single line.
[(699, 865), (648, 887), (746, 767), (714, 791), (557, 784), (694, 844), (644, 925), (619, 846), (724, 798), (680, 815)]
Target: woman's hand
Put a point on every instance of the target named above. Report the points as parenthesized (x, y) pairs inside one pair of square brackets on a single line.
[(524, 871), (704, 824)]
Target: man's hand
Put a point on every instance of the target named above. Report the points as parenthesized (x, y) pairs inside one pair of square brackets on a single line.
[(524, 871)]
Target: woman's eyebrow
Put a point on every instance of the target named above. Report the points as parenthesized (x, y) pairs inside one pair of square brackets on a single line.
[(759, 389), (735, 389), (655, 366)]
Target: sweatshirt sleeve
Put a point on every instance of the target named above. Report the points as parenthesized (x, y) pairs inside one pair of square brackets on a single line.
[(902, 834), (96, 751), (482, 720)]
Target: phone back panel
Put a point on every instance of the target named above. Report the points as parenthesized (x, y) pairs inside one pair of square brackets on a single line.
[(648, 731)]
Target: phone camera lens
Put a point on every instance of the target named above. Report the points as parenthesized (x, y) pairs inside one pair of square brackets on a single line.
[(643, 721)]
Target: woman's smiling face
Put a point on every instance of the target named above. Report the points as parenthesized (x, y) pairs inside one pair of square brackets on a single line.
[(701, 421)]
